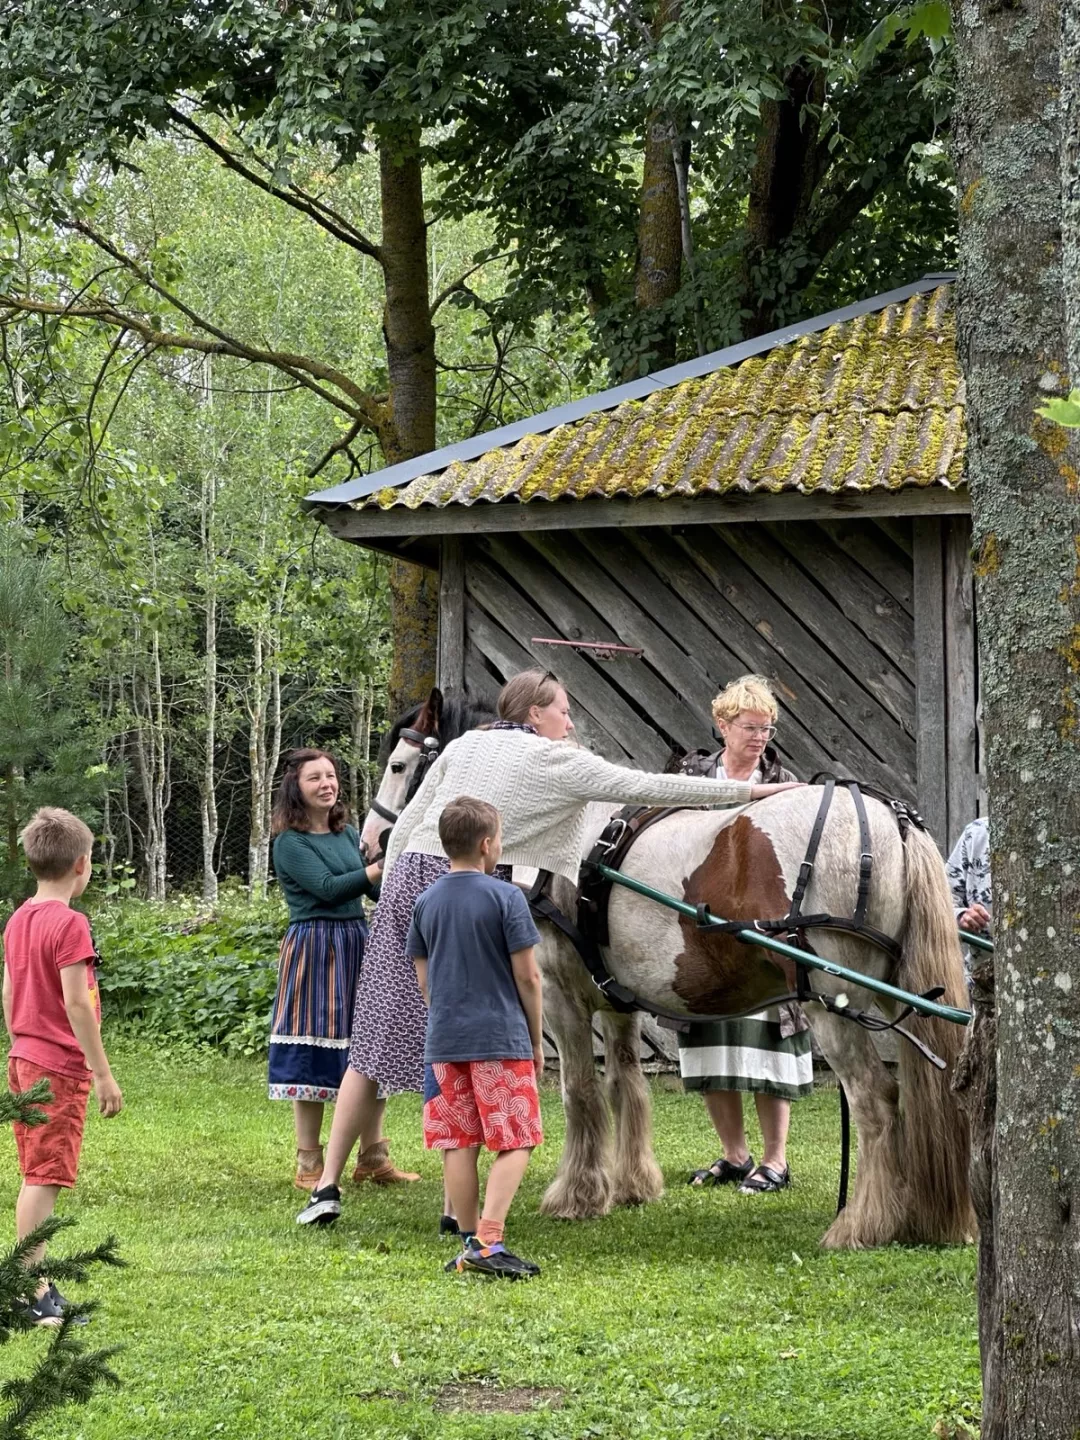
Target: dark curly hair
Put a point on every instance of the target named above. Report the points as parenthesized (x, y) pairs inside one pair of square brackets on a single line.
[(290, 812)]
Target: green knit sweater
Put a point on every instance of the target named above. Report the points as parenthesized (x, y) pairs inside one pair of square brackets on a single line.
[(322, 876)]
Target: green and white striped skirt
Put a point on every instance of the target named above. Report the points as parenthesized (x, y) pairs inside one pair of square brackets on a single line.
[(749, 1054)]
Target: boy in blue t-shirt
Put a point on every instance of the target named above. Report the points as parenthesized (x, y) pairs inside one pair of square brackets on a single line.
[(472, 940)]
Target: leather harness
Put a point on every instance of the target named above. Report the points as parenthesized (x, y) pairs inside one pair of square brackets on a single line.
[(428, 746), (589, 932)]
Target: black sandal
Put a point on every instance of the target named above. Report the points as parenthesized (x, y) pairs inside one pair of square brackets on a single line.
[(763, 1179), (721, 1172)]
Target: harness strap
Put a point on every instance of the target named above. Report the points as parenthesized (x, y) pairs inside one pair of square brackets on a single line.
[(806, 869), (543, 906), (866, 856)]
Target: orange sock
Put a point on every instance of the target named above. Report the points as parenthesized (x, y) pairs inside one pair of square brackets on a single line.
[(489, 1232)]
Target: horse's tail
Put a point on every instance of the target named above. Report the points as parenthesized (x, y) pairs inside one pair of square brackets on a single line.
[(936, 1143)]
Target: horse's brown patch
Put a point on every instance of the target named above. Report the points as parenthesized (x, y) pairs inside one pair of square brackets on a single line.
[(740, 879)]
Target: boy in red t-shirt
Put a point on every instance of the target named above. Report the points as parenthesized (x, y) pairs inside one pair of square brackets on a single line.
[(53, 1016)]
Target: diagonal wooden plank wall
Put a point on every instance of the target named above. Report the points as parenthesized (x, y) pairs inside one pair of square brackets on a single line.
[(825, 610)]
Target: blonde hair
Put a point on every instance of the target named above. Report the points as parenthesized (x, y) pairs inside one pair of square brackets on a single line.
[(748, 692), (53, 841), (519, 695)]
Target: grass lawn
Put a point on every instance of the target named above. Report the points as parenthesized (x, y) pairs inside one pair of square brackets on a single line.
[(707, 1314)]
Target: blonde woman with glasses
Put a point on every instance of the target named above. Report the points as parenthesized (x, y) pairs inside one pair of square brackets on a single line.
[(766, 1055)]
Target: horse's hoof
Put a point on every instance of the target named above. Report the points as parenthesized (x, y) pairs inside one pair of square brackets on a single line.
[(563, 1201), (640, 1189), (848, 1233)]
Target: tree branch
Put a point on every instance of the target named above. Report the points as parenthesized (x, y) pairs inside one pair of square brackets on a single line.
[(309, 205), (358, 404), (459, 286)]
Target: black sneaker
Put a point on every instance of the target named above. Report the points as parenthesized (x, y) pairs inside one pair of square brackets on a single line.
[(62, 1303), (323, 1208), (493, 1260), (449, 1226), (44, 1310)]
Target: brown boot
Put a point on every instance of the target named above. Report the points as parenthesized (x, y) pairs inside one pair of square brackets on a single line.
[(375, 1164), (309, 1166)]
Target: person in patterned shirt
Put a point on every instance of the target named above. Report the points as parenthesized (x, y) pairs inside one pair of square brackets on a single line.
[(968, 869), (969, 877)]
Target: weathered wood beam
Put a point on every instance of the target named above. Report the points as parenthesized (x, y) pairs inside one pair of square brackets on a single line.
[(930, 704), (450, 664), (365, 525), (961, 674)]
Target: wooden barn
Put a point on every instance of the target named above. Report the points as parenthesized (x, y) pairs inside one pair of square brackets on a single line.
[(793, 505)]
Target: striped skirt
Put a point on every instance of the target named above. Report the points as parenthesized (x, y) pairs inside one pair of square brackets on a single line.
[(318, 972), (749, 1054)]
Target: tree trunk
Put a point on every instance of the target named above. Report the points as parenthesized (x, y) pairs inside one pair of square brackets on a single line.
[(257, 701), (151, 758), (782, 184), (208, 811), (1014, 348), (410, 357), (658, 270)]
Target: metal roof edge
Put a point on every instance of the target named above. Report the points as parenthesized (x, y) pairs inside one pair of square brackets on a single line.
[(436, 460)]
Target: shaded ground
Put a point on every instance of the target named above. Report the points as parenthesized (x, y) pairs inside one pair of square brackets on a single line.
[(707, 1314)]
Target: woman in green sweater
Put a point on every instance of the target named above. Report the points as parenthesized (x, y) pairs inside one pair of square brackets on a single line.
[(322, 875)]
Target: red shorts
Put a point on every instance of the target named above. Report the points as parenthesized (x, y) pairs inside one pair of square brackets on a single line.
[(481, 1102), (49, 1153)]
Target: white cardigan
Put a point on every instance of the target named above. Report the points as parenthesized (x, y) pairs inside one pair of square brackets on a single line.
[(541, 788)]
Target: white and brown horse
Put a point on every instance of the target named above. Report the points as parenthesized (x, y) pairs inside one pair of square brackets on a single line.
[(912, 1162), (912, 1158)]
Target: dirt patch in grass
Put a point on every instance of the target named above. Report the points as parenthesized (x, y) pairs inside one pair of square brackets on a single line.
[(485, 1397)]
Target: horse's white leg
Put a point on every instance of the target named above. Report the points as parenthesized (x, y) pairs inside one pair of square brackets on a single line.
[(638, 1177), (582, 1186), (875, 1212)]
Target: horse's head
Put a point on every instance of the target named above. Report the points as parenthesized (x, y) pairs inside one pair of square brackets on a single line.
[(410, 746), (415, 739)]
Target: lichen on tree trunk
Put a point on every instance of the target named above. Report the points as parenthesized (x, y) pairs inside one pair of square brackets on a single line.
[(414, 606), (1015, 346)]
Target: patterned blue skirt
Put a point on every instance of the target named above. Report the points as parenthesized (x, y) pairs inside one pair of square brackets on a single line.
[(318, 972)]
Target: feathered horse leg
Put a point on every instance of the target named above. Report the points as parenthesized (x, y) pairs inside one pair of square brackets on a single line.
[(582, 1188), (875, 1213), (638, 1178)]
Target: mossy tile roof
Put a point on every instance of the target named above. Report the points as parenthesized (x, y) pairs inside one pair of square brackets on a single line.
[(873, 403)]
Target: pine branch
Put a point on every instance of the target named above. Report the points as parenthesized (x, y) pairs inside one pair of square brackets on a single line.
[(68, 1373), (23, 1107)]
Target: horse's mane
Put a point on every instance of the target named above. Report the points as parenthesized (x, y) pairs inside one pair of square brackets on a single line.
[(457, 715)]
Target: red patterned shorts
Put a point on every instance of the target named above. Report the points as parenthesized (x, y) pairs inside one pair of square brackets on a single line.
[(49, 1153), (481, 1102)]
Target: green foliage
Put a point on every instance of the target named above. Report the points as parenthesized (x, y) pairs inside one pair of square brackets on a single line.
[(706, 1314), (1062, 412), (184, 978), (43, 760)]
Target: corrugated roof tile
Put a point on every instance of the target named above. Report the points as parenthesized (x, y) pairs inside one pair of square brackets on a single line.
[(876, 402)]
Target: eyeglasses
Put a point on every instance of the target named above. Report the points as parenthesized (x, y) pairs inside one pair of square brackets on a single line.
[(767, 731)]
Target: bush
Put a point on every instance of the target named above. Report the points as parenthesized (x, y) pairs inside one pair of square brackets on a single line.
[(177, 974)]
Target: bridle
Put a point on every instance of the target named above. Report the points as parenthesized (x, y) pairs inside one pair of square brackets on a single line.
[(428, 745)]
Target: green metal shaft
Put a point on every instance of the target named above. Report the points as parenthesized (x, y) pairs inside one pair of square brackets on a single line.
[(801, 957), (977, 942)]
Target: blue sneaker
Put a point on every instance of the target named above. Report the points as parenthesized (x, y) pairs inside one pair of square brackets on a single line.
[(493, 1260)]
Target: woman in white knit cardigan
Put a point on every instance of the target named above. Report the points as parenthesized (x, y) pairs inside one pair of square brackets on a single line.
[(542, 788)]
